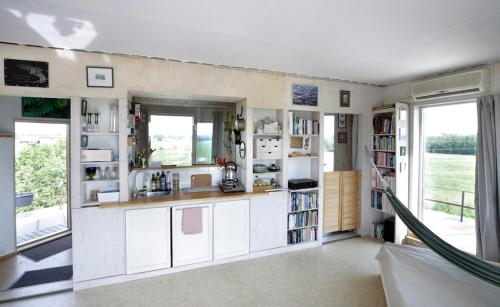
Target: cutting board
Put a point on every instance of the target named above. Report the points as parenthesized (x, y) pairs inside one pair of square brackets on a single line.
[(201, 180)]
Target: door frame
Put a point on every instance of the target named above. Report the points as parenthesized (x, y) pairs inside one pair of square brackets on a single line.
[(62, 233), (420, 151)]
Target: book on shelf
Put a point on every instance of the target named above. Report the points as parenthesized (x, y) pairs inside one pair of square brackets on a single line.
[(377, 230), (300, 126), (384, 159), (384, 124), (302, 201), (380, 202), (384, 143), (302, 235), (302, 219), (389, 177)]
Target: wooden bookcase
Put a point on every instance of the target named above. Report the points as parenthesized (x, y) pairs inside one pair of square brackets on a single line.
[(390, 154)]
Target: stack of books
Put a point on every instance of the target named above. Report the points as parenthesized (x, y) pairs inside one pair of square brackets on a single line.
[(302, 201), (302, 235), (384, 159), (300, 126), (389, 177), (302, 219), (384, 142), (383, 125), (377, 230)]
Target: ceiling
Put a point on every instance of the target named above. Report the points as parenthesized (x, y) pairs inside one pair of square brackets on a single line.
[(379, 42)]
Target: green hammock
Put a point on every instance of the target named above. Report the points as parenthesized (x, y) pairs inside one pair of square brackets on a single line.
[(475, 266)]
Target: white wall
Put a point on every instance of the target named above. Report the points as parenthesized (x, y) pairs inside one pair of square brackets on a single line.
[(135, 75), (10, 109)]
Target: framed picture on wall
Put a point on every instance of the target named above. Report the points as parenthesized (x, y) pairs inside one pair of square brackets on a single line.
[(305, 95), (345, 99), (26, 73), (342, 121), (100, 77), (342, 138)]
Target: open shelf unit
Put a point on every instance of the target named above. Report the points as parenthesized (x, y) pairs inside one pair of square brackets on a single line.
[(109, 175), (267, 144), (390, 154), (303, 147)]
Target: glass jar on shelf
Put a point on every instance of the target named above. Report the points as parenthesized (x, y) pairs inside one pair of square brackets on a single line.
[(113, 119)]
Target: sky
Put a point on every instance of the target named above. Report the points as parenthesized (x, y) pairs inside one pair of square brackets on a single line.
[(451, 119)]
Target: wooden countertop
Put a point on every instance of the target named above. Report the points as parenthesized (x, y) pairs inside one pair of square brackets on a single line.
[(180, 198)]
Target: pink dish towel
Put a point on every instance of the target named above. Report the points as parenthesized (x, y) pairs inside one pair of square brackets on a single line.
[(192, 221)]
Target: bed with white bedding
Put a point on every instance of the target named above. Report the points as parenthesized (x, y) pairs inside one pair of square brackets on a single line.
[(414, 276)]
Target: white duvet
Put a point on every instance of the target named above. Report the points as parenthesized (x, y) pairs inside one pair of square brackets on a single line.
[(415, 276)]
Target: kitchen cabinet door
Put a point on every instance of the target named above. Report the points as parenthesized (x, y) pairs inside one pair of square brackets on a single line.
[(268, 221), (98, 243), (231, 229), (191, 248), (148, 239)]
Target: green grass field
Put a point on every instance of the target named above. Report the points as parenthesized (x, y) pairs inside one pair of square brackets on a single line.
[(445, 173)]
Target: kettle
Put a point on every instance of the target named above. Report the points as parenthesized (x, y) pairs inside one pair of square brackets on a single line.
[(230, 169)]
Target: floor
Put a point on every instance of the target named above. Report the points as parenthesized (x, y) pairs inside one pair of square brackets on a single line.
[(462, 235), (344, 273), (13, 268)]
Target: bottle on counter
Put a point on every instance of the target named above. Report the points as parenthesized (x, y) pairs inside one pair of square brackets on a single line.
[(163, 181), (168, 182), (158, 181), (153, 182)]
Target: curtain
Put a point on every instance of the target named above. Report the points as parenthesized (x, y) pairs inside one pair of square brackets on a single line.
[(218, 134), (487, 179)]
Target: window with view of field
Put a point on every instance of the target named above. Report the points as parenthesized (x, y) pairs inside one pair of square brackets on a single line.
[(204, 135), (172, 139), (449, 138)]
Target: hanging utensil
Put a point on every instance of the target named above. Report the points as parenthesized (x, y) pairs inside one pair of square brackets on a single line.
[(239, 122)]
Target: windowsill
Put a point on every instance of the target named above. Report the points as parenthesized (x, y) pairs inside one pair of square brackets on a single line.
[(177, 167)]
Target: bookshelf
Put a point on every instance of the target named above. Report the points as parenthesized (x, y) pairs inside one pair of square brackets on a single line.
[(304, 146), (390, 154)]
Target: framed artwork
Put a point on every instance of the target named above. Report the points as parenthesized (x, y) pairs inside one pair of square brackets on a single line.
[(296, 142), (342, 138), (26, 73), (84, 108), (345, 99), (84, 140), (100, 77), (305, 95), (342, 121)]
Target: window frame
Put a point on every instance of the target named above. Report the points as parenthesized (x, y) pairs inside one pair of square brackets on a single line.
[(194, 131)]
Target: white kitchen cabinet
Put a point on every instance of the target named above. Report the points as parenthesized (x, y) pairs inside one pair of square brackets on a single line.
[(231, 229), (191, 248), (268, 221), (147, 239), (98, 243)]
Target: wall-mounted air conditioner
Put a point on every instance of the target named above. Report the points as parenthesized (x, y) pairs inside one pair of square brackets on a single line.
[(451, 85)]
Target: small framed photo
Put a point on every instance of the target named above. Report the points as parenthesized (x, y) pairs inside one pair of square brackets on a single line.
[(296, 142), (84, 140), (345, 99), (84, 108), (342, 121), (342, 137), (100, 77)]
